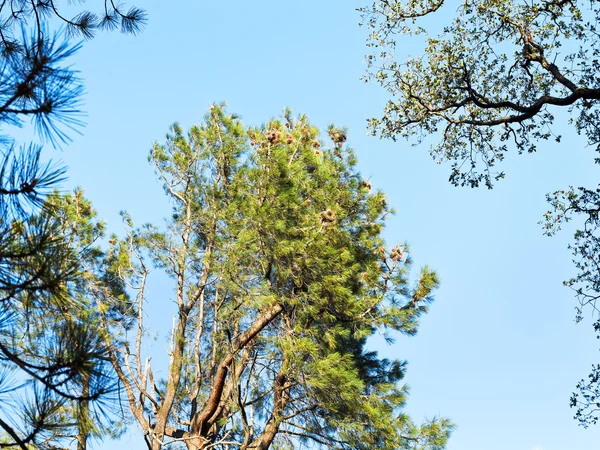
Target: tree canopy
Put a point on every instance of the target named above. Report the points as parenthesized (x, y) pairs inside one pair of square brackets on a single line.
[(490, 78), (279, 275)]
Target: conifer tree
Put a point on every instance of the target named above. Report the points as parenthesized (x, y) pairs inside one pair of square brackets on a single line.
[(46, 347), (279, 275), (50, 334)]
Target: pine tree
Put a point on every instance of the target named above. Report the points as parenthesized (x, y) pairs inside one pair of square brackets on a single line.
[(46, 348), (50, 334), (279, 276)]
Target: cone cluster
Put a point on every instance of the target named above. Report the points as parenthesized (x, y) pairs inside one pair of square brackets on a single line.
[(273, 136), (337, 136), (366, 185), (328, 217), (396, 254)]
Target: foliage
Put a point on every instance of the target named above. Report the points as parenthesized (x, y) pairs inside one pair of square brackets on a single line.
[(49, 357), (489, 79), (48, 331), (586, 284), (18, 14), (492, 79), (279, 276)]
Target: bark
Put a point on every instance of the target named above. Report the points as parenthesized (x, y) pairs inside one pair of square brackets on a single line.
[(215, 397), (280, 400), (83, 415)]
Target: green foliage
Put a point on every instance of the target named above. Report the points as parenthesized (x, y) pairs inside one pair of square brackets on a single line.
[(489, 81), (49, 331), (45, 330), (586, 284), (280, 275)]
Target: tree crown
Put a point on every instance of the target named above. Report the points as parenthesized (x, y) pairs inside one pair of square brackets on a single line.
[(280, 276)]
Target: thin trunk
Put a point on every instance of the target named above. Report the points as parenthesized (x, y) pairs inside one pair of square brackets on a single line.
[(281, 397), (83, 414)]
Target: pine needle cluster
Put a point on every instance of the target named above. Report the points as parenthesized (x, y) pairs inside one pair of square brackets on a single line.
[(47, 340)]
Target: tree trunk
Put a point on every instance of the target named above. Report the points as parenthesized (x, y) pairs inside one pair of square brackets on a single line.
[(83, 413)]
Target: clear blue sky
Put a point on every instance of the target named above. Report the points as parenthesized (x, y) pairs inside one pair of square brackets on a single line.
[(499, 353)]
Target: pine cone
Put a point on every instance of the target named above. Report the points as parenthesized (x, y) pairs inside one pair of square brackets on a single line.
[(365, 184), (273, 136), (328, 216), (396, 254), (337, 136)]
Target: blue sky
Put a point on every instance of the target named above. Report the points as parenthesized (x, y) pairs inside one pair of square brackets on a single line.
[(499, 353)]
